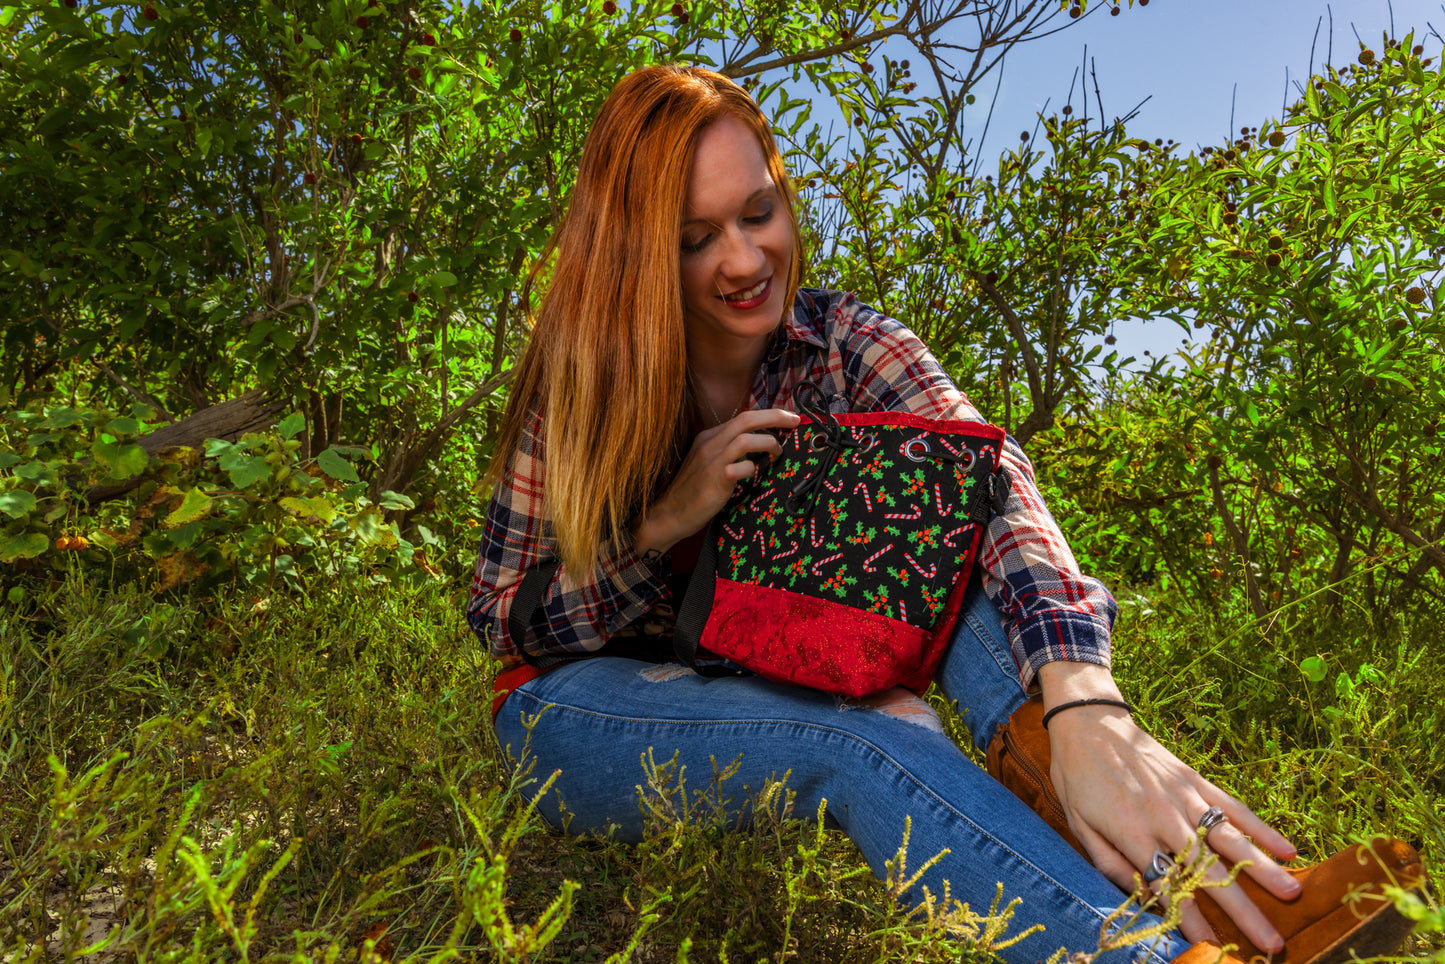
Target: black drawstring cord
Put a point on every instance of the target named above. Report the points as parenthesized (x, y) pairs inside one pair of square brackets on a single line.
[(829, 434)]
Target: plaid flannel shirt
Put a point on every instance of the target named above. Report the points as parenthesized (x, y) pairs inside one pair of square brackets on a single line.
[(866, 361)]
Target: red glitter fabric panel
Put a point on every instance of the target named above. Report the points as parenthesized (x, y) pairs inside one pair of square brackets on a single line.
[(792, 638)]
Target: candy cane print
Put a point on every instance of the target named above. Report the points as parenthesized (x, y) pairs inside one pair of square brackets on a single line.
[(868, 563), (951, 450), (948, 537), (792, 550), (757, 500), (939, 505), (813, 532), (736, 536), (917, 513), (835, 488), (867, 499), (818, 566), (930, 573)]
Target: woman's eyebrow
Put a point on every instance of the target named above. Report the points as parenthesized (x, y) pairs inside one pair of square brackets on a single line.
[(770, 188)]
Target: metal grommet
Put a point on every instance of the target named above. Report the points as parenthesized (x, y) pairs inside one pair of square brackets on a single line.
[(817, 441), (910, 445)]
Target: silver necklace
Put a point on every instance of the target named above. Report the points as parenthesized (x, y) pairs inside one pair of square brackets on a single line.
[(717, 419)]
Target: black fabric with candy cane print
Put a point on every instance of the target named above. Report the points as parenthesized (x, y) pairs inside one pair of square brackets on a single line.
[(875, 519)]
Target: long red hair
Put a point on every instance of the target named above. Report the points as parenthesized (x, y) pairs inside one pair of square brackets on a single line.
[(606, 366)]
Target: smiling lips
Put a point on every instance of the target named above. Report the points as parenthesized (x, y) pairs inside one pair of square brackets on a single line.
[(752, 297)]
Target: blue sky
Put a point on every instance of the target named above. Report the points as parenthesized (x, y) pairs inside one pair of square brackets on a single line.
[(1190, 58)]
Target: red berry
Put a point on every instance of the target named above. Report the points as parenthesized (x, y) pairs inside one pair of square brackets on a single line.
[(677, 10), (515, 35), (412, 296), (356, 139), (296, 37), (1114, 12), (122, 80), (609, 8), (682, 17), (867, 68), (72, 4), (414, 73), (429, 40), (150, 14), (363, 21), (309, 178), (183, 117)]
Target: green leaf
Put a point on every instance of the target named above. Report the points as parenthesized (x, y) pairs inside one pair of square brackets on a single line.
[(194, 505), (336, 466), (120, 461), (245, 470), (122, 425), (17, 503), (319, 506), (24, 545), (1313, 668), (395, 500), (291, 425)]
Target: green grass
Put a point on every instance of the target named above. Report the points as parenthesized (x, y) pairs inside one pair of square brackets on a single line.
[(235, 778)]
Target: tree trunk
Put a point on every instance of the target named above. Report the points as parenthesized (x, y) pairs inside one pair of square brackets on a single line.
[(254, 411)]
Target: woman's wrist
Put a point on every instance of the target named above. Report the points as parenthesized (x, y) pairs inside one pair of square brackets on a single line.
[(650, 537), (1064, 681)]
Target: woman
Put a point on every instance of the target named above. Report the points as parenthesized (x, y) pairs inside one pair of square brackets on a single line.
[(663, 360)]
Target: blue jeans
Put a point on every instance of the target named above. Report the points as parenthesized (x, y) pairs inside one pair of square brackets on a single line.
[(596, 720)]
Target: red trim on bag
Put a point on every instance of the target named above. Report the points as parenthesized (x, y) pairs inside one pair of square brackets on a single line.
[(957, 426), (806, 641)]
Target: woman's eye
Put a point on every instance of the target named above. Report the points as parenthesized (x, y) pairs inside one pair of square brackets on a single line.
[(693, 247), (761, 218)]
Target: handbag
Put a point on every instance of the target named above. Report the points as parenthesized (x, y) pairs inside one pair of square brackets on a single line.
[(842, 563)]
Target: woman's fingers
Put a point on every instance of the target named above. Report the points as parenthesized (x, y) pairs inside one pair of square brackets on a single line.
[(1235, 841), (1128, 798), (718, 460), (1248, 824)]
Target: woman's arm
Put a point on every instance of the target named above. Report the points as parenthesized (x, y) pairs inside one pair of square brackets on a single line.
[(581, 613), (1125, 795), (1051, 610), (581, 610)]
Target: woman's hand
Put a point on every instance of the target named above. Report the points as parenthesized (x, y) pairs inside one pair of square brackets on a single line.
[(1126, 797), (716, 463)]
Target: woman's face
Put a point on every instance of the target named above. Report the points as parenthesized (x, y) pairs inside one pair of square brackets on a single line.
[(737, 242)]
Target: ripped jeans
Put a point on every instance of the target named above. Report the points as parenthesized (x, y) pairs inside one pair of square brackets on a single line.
[(874, 762)]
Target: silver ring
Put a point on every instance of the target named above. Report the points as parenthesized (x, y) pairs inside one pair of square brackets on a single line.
[(1158, 867), (1212, 818)]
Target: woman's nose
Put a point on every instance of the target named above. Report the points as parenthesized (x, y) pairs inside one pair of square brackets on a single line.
[(742, 258)]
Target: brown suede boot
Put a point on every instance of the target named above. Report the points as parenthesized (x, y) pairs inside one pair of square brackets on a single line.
[(1341, 907)]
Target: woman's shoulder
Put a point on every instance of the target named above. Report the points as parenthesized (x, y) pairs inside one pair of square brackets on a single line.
[(822, 315)]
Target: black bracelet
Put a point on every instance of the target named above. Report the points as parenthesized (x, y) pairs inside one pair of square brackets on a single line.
[(1122, 704)]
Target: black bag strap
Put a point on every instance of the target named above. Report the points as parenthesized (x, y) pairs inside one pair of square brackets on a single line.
[(527, 614), (697, 599)]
